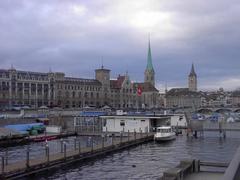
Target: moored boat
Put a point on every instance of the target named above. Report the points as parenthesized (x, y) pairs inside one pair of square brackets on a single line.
[(164, 133)]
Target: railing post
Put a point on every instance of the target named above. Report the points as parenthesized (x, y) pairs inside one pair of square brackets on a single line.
[(75, 143), (121, 135), (92, 144), (6, 156), (61, 145), (79, 147), (128, 135), (27, 158), (134, 134), (47, 149), (103, 141), (2, 164), (65, 150)]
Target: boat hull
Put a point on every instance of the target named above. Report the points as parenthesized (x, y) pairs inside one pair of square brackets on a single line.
[(164, 138)]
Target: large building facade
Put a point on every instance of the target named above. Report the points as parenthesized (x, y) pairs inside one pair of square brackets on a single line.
[(54, 89), (185, 97)]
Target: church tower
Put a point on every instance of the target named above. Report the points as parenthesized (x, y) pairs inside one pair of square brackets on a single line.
[(149, 74), (192, 80)]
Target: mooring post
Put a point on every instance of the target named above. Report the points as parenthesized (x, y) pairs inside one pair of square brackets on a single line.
[(61, 140), (65, 150), (27, 160), (92, 144), (128, 135), (2, 164), (6, 154), (75, 143), (79, 147)]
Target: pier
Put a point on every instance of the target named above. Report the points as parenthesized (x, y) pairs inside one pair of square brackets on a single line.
[(31, 166), (193, 170)]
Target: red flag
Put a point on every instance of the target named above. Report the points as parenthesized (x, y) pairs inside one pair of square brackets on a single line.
[(139, 90)]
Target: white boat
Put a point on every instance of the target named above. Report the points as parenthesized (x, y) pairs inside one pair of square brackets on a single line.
[(164, 133)]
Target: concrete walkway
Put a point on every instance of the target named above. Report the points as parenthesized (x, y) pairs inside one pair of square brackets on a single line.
[(205, 176)]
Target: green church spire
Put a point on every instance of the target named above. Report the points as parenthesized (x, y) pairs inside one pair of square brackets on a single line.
[(149, 59)]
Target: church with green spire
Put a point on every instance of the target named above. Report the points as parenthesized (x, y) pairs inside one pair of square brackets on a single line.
[(149, 74)]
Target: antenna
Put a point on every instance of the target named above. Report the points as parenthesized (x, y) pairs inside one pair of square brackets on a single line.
[(102, 62)]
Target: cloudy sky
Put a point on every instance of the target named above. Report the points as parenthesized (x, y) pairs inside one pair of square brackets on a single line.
[(73, 36)]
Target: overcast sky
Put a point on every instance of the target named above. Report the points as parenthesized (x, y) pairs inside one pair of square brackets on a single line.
[(73, 36)]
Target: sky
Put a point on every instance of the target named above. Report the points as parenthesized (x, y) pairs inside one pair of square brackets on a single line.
[(77, 36)]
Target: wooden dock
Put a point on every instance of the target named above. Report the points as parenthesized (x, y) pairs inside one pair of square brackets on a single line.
[(78, 154)]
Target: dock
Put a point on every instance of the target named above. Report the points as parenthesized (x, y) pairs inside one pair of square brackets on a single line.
[(193, 170), (30, 166)]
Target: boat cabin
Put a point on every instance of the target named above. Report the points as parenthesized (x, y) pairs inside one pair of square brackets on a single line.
[(164, 129)]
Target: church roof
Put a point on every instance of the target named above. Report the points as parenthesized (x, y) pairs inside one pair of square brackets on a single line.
[(182, 92), (146, 87), (192, 73), (149, 59), (117, 84)]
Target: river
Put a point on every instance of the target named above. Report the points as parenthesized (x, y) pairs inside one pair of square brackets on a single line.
[(150, 160)]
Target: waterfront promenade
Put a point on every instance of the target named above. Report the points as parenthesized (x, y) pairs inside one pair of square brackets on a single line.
[(67, 156)]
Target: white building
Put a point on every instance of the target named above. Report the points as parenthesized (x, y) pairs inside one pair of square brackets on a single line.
[(133, 123)]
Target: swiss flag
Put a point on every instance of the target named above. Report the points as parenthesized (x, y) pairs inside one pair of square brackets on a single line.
[(139, 90)]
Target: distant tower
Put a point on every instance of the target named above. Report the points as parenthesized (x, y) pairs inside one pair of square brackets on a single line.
[(192, 80), (149, 74), (103, 76)]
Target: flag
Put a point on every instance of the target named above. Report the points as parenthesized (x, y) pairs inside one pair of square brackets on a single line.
[(139, 90)]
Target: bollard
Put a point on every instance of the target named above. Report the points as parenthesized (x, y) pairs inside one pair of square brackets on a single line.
[(128, 135), (61, 145), (2, 164), (6, 154), (65, 150), (27, 160), (92, 145), (75, 143), (79, 147)]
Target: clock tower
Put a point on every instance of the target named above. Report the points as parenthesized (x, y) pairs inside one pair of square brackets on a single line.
[(192, 80)]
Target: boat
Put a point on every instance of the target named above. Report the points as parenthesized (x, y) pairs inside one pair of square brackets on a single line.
[(164, 133), (44, 138)]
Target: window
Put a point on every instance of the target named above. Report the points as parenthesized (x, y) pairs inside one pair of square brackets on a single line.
[(122, 123)]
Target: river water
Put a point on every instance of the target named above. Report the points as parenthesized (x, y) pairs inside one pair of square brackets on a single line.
[(150, 160)]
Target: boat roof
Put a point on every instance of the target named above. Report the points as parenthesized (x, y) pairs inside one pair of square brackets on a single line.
[(164, 127)]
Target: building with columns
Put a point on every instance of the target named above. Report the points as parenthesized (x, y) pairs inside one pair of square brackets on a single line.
[(54, 89)]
